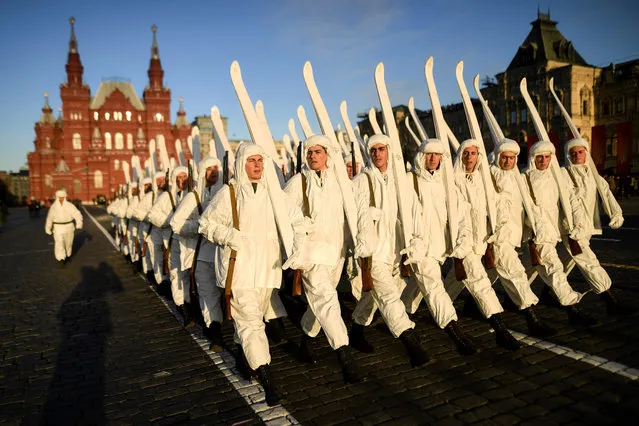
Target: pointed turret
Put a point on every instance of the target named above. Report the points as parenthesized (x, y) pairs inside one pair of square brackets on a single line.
[(181, 116), (156, 73), (74, 65), (47, 116)]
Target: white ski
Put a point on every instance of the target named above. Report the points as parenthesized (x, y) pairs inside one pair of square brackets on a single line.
[(221, 142), (446, 161), (259, 136), (475, 133), (164, 155), (343, 109), (180, 154), (372, 117), (412, 134), (291, 162), (270, 148), (350, 208), (296, 140), (127, 172), (153, 158), (306, 127), (418, 123), (402, 185)]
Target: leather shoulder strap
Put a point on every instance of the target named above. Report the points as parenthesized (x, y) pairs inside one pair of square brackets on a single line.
[(530, 188), (236, 220), (306, 206), (370, 189), (197, 200)]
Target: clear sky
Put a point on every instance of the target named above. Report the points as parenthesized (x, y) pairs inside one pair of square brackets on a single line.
[(344, 40)]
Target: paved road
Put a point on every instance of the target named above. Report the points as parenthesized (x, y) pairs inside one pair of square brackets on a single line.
[(92, 344)]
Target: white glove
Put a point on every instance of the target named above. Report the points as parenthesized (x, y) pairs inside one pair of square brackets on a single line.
[(461, 251), (375, 213), (415, 252), (578, 233), (49, 231), (363, 249), (616, 221), (235, 242), (296, 262)]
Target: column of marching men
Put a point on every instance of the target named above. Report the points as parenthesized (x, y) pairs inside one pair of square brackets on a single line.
[(215, 237)]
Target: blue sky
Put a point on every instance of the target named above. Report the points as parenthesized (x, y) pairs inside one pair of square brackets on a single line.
[(344, 40)]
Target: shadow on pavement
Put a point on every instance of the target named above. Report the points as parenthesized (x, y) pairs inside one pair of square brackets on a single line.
[(76, 393)]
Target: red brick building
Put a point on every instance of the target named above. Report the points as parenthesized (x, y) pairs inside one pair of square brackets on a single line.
[(84, 147)]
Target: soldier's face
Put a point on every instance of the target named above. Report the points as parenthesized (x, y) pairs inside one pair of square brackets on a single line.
[(577, 155), (147, 187), (254, 167), (212, 175), (135, 191), (469, 158), (160, 181), (542, 161), (61, 200), (379, 156), (180, 181), (432, 160), (507, 160), (316, 157)]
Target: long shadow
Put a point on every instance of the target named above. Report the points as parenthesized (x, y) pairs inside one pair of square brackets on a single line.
[(81, 238), (76, 392)]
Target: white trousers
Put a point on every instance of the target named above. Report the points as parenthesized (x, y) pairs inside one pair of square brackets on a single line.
[(513, 276), (589, 265), (248, 307), (385, 295), (123, 228), (179, 279), (478, 285), (208, 293), (551, 270), (63, 240), (156, 251), (133, 233), (427, 284), (323, 310)]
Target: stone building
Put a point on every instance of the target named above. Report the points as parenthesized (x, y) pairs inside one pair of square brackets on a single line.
[(83, 149)]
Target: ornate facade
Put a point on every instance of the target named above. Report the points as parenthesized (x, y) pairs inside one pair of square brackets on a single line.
[(84, 148)]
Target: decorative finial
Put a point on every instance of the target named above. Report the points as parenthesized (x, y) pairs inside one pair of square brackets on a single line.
[(154, 28), (155, 53), (73, 43), (46, 95), (180, 100)]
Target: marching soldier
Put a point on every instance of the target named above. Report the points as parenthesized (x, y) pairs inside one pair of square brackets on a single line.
[(62, 221)]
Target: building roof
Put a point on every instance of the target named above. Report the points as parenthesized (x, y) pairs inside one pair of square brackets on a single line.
[(107, 87), (545, 43)]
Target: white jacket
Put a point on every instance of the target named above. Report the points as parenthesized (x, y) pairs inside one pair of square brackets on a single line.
[(62, 214), (586, 191), (434, 216), (259, 251), (383, 214)]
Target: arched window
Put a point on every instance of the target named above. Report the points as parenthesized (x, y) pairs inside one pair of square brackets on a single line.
[(97, 179), (96, 116), (77, 141), (129, 141), (48, 181), (119, 141), (47, 143), (107, 116), (159, 117), (107, 140), (116, 165), (77, 187), (128, 116)]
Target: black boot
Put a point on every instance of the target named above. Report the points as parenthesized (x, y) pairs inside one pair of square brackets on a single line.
[(273, 394), (274, 329), (502, 335), (214, 333), (416, 353), (471, 309), (187, 310), (548, 298), (536, 327), (614, 307), (358, 341), (241, 363), (351, 371), (306, 353), (578, 317), (150, 278), (465, 346)]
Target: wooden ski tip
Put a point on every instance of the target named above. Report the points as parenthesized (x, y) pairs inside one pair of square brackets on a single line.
[(308, 68), (551, 83), (476, 83), (300, 110), (214, 111), (411, 102), (379, 69), (235, 67), (342, 106), (429, 62), (460, 67), (522, 85), (259, 104)]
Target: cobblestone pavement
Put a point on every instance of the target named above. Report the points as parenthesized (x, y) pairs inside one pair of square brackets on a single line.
[(91, 343)]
